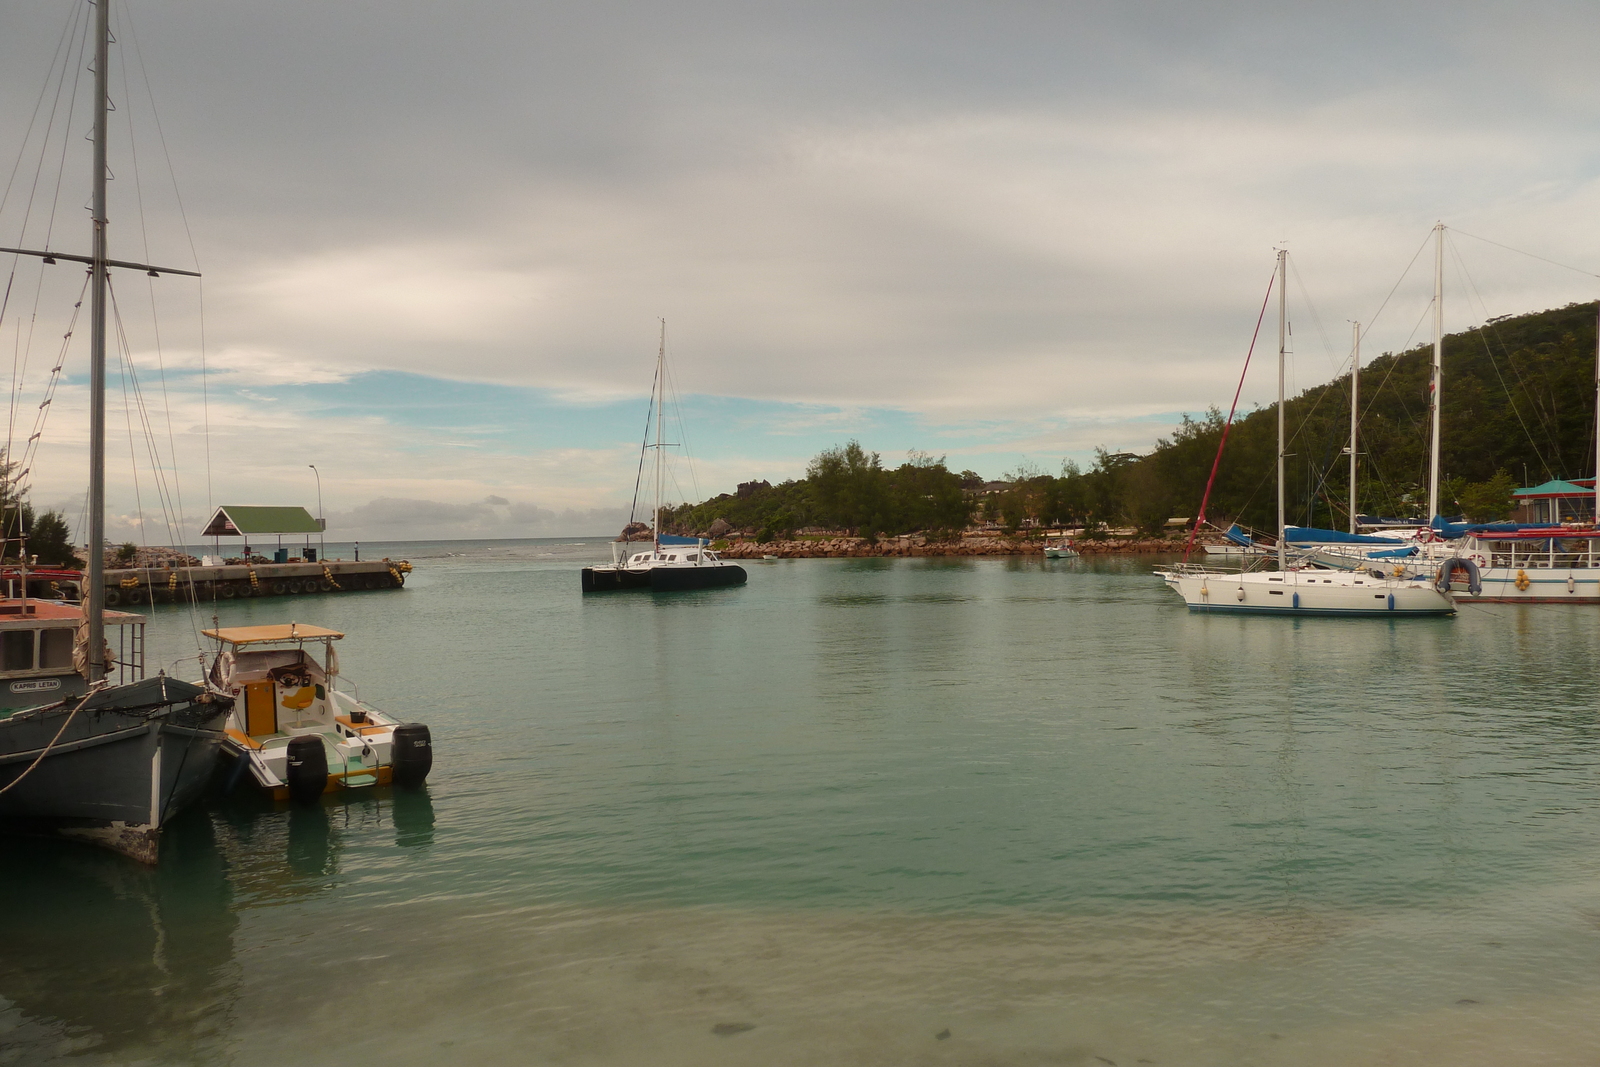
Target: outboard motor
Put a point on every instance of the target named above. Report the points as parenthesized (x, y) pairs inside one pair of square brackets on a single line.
[(411, 753), (308, 768)]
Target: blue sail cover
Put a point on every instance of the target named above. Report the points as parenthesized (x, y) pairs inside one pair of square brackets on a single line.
[(1238, 536), (1310, 535), (1394, 553), (1452, 530), (675, 541)]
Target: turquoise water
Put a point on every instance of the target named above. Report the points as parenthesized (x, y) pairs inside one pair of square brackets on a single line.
[(856, 804)]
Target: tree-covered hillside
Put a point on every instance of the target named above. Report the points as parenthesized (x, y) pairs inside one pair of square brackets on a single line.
[(1519, 407)]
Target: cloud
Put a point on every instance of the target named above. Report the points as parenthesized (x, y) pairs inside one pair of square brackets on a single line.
[(395, 519), (985, 230)]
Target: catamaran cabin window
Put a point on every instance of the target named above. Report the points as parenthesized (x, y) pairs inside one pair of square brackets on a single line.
[(16, 650), (55, 648)]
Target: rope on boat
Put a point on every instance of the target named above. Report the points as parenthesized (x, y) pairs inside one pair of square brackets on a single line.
[(1215, 463), (93, 689)]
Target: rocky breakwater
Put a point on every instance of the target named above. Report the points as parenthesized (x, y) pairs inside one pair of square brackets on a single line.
[(851, 547), (998, 544)]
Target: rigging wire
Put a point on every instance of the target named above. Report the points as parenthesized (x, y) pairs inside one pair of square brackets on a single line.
[(655, 383), (1521, 252), (144, 237), (64, 42), (75, 34), (1489, 326), (194, 253), (677, 409)]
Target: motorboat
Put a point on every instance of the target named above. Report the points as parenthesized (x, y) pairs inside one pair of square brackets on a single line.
[(294, 730), (1059, 548)]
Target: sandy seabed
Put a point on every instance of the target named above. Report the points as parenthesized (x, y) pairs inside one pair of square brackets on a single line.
[(563, 985)]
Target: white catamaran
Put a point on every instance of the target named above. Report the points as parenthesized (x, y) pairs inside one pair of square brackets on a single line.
[(671, 563)]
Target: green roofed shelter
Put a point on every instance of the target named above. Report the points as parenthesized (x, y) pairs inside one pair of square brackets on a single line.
[(235, 520), (1556, 501), (1553, 488)]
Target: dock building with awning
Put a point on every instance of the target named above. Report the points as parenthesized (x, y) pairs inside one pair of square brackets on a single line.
[(1556, 501), (264, 520)]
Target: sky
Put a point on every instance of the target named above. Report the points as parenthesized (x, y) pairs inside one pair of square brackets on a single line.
[(438, 240)]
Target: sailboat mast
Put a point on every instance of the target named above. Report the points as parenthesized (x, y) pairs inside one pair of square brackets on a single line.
[(1355, 392), (1438, 369), (661, 388), (1597, 415), (1283, 318), (95, 596)]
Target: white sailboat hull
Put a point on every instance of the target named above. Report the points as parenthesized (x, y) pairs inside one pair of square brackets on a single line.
[(1305, 593)]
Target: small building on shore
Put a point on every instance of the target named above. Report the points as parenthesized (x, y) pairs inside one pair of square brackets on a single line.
[(1556, 501), (259, 520)]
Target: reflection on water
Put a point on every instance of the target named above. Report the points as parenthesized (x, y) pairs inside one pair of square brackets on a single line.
[(855, 805), (105, 960)]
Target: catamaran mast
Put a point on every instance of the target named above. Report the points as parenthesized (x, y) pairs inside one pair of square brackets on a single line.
[(661, 388), (1283, 285), (95, 597), (1355, 391), (1438, 369)]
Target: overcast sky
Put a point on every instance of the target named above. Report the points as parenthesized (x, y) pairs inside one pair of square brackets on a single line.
[(437, 238)]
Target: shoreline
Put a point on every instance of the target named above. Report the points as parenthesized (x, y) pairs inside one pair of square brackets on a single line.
[(917, 545)]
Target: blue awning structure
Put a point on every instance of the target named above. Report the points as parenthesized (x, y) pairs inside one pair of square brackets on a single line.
[(1311, 535), (674, 541), (1452, 530)]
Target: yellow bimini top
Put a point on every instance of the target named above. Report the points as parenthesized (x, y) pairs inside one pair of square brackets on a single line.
[(258, 635)]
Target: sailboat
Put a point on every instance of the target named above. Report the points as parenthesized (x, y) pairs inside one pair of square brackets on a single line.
[(1301, 589), (671, 563), (1501, 563), (109, 763)]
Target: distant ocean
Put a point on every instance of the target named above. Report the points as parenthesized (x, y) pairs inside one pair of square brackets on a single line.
[(874, 811)]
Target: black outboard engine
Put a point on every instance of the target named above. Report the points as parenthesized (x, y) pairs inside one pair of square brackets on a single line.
[(308, 769), (411, 754)]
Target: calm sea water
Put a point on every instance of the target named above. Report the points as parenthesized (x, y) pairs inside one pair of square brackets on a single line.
[(993, 811)]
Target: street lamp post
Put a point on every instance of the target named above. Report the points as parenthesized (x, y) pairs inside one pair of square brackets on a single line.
[(322, 523)]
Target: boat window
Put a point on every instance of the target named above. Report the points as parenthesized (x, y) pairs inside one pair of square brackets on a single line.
[(55, 648), (672, 558), (692, 559), (16, 650)]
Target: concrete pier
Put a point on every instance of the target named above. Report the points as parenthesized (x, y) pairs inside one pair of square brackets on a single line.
[(140, 585)]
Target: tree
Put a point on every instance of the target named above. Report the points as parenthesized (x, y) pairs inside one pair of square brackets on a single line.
[(50, 540), (1488, 501)]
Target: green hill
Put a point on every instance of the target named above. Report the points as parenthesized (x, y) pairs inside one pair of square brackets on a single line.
[(1519, 407)]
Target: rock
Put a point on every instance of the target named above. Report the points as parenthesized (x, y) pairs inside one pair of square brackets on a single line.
[(942, 1035), (720, 528)]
